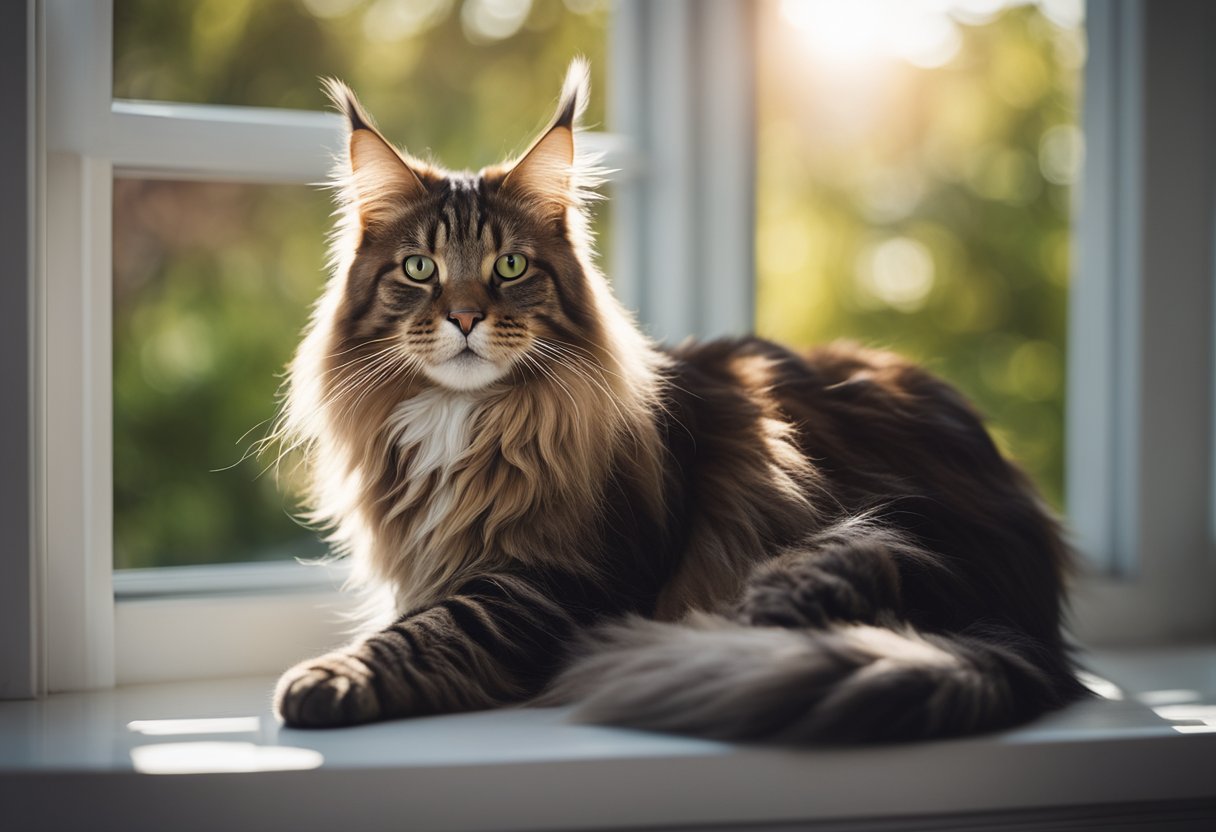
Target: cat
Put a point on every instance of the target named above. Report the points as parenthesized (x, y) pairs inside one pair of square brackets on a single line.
[(726, 539)]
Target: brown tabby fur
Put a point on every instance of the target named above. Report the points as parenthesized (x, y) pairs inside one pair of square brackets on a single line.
[(835, 545)]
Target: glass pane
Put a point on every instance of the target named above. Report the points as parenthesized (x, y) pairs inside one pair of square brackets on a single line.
[(212, 285), (915, 164), (471, 80)]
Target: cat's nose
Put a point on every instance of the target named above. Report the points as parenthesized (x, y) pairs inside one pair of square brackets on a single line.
[(466, 319)]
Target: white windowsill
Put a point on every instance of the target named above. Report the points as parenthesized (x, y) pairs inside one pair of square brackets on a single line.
[(529, 769), (229, 578)]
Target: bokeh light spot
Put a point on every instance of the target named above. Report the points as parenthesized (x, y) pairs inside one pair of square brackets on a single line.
[(486, 21), (388, 21), (898, 272), (1061, 153)]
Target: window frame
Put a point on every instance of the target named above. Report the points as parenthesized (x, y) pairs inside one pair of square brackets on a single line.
[(20, 637), (1140, 414), (106, 627), (678, 65)]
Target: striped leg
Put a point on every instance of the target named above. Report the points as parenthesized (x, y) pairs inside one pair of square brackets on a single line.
[(499, 639)]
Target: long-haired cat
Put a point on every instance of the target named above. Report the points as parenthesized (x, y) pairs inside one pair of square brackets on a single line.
[(726, 539)]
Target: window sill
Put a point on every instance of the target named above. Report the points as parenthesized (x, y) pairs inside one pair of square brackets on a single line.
[(183, 639), (530, 769), (257, 578), (188, 623)]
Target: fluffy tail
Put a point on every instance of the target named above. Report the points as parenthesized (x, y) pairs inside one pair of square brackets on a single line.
[(712, 677)]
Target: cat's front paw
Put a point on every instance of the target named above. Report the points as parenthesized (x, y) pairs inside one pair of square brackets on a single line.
[(328, 692)]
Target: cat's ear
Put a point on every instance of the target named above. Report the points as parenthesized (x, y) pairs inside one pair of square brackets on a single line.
[(549, 171), (379, 179)]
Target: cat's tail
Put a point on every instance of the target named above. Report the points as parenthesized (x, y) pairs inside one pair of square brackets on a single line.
[(712, 677)]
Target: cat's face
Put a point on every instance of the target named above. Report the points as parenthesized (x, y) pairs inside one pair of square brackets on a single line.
[(466, 279), (468, 283)]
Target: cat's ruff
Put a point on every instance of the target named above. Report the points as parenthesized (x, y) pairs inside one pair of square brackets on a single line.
[(726, 539)]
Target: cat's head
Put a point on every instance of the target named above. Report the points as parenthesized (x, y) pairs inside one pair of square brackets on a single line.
[(465, 280), (466, 306)]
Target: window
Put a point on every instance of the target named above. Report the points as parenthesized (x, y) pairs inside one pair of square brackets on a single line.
[(213, 280), (676, 91), (178, 206), (212, 285)]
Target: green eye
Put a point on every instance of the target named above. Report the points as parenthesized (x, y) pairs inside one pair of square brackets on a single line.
[(510, 266), (418, 268)]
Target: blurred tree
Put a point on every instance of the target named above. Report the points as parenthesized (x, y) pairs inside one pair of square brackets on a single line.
[(467, 80), (926, 208)]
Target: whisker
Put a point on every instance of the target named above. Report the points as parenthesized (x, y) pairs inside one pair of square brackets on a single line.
[(360, 345), (361, 358), (570, 364), (657, 402), (556, 381), (358, 375)]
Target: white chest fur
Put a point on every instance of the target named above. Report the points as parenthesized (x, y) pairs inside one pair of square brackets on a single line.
[(434, 427), (413, 549)]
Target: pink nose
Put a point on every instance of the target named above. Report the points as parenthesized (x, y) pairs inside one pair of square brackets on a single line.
[(466, 319)]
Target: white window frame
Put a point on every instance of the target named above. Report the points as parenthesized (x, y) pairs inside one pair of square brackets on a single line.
[(682, 76), (192, 622), (1141, 339)]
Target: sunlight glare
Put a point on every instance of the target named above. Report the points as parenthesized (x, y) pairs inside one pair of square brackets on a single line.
[(1100, 687), (171, 727), (1066, 14), (221, 758), (1190, 718), (977, 12), (861, 32)]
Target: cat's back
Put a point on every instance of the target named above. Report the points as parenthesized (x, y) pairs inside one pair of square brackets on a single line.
[(870, 419), (879, 432)]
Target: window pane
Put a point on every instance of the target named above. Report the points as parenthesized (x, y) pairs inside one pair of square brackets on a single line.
[(471, 80), (915, 164), (206, 309), (212, 285)]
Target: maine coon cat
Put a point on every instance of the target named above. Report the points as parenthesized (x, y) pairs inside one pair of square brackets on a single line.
[(726, 539)]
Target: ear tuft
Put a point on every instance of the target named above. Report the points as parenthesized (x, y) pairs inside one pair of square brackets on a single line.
[(344, 101), (550, 173), (375, 179), (575, 93)]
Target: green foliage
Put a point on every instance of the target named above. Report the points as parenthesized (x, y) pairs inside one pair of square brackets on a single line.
[(213, 282), (432, 81), (927, 210), (212, 286)]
